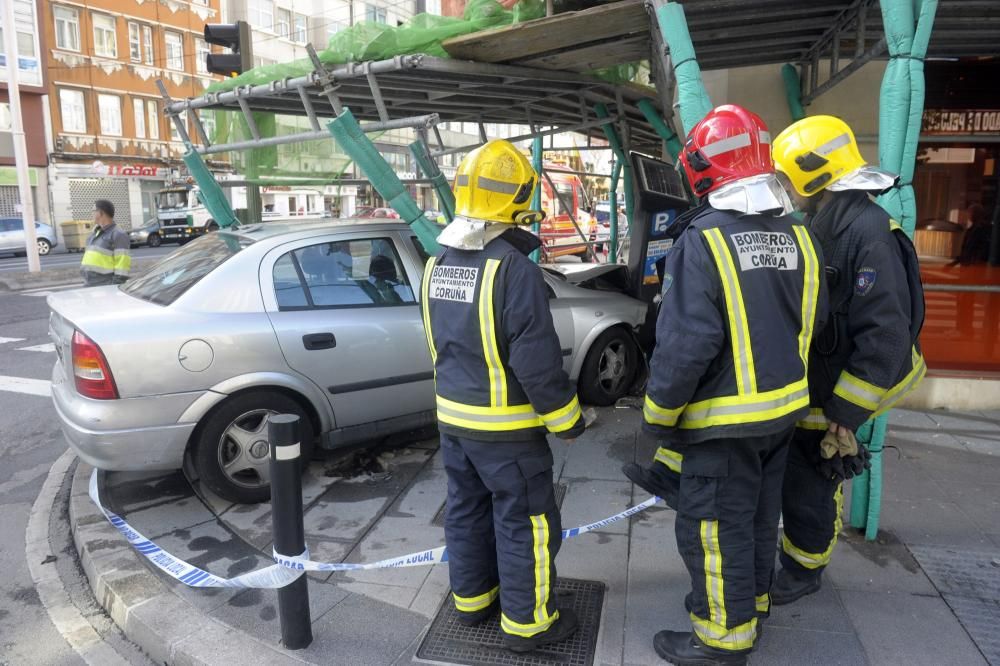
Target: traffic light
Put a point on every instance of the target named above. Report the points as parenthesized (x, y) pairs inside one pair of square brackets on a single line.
[(234, 36)]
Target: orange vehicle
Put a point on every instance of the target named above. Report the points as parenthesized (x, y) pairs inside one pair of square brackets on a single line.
[(559, 236)]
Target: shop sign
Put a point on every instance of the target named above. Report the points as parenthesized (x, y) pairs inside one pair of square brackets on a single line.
[(977, 122), (8, 176)]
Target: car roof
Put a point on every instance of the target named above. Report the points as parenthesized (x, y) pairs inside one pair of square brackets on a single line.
[(306, 229)]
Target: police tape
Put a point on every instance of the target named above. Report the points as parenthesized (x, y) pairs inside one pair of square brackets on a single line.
[(288, 568)]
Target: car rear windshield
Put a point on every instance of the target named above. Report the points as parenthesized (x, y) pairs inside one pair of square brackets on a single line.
[(168, 280)]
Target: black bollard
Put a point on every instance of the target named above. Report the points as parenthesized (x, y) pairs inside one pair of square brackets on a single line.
[(287, 527)]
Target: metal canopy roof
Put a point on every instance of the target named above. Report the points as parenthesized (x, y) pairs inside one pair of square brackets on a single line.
[(417, 91)]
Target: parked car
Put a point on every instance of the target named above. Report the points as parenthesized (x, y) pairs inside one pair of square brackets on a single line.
[(147, 234), (368, 212), (320, 320), (12, 236)]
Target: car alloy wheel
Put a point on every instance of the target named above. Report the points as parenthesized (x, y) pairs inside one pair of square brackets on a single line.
[(609, 367), (153, 240), (244, 452), (43, 246), (613, 368)]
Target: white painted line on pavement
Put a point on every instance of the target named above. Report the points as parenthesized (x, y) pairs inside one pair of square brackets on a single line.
[(4, 341), (48, 348), (42, 387), (49, 290)]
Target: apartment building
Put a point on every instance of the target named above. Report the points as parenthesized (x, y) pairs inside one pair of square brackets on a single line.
[(32, 78), (109, 137)]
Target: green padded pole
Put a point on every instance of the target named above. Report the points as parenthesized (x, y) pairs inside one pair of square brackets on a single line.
[(209, 191), (616, 171), (349, 135), (427, 165), (694, 101), (793, 92), (536, 198), (670, 138)]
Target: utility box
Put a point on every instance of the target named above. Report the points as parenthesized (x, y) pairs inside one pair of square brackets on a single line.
[(75, 234)]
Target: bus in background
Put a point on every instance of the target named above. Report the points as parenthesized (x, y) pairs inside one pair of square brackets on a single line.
[(558, 234)]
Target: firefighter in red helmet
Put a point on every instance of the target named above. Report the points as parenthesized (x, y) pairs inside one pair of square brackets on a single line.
[(742, 295)]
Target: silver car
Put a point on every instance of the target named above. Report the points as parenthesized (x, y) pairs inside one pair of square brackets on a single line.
[(12, 236), (320, 320)]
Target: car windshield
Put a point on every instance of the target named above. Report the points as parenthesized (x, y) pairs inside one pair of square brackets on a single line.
[(173, 276)]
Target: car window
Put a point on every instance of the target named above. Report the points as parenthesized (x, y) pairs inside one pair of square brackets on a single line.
[(10, 224), (342, 274), (169, 279)]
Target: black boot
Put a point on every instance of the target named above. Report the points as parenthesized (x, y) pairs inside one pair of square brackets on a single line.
[(652, 480), (562, 629), (683, 648), (788, 587), (479, 616)]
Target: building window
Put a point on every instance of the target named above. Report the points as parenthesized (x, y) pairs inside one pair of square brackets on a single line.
[(333, 27), (153, 118), (105, 43), (260, 14), (6, 122), (201, 51), (300, 29), (134, 42), (375, 14), (109, 107), (261, 61), (283, 22), (139, 111), (73, 111), (175, 50), (147, 43), (67, 28)]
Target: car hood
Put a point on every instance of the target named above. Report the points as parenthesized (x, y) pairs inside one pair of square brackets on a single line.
[(605, 277)]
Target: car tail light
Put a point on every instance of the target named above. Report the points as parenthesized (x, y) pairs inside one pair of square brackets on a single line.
[(91, 371)]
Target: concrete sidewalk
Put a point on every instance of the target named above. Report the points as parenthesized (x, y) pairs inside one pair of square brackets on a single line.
[(928, 592)]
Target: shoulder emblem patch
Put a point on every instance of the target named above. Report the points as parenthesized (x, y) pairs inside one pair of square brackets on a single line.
[(865, 281)]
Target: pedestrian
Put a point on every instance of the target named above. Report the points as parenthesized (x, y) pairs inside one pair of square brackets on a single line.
[(742, 294), (866, 358), (106, 259), (500, 388)]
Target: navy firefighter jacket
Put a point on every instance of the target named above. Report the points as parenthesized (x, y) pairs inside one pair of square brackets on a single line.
[(868, 356), (742, 297), (497, 358)]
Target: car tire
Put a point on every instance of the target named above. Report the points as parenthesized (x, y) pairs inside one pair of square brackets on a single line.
[(609, 368), (44, 246), (154, 240), (235, 435), (212, 226)]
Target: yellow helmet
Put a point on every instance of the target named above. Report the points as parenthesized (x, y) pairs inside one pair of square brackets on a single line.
[(816, 152), (494, 183)]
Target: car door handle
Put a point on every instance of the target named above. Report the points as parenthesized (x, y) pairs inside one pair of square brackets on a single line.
[(315, 341)]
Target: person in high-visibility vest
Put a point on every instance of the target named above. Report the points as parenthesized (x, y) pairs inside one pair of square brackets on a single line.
[(868, 356), (742, 294), (500, 390), (106, 259)]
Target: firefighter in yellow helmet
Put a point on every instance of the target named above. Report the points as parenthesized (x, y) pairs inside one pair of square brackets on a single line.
[(500, 390), (867, 356)]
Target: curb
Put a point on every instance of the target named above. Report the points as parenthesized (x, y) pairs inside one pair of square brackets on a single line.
[(162, 624), (57, 277)]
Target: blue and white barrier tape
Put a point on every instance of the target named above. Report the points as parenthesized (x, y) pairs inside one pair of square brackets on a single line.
[(288, 568)]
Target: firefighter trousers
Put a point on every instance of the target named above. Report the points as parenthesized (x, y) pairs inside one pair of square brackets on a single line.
[(503, 530), (727, 533), (811, 508)]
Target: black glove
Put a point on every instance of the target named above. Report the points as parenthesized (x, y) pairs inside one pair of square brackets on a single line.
[(855, 465), (831, 468)]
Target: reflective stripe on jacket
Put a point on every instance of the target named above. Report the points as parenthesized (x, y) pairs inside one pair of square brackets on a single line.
[(106, 259), (497, 358), (742, 298), (868, 356)]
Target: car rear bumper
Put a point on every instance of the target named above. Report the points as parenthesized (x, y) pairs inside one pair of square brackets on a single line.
[(111, 434)]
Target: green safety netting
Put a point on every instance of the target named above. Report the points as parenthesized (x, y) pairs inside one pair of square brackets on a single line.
[(424, 34)]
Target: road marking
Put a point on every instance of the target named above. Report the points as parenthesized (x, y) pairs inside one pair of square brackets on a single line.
[(50, 290), (4, 341), (48, 348), (42, 387), (65, 616)]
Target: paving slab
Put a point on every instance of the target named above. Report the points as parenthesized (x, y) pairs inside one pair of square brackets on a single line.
[(781, 646), (256, 611), (360, 631), (589, 501), (598, 454), (882, 566), (909, 630), (821, 611)]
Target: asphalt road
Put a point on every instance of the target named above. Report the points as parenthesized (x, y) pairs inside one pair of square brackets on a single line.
[(59, 258), (30, 441)]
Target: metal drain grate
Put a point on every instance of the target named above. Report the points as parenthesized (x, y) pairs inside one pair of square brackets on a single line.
[(450, 642), (560, 491), (969, 580)]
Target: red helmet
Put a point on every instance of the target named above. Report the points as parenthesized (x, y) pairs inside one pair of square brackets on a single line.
[(730, 143)]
